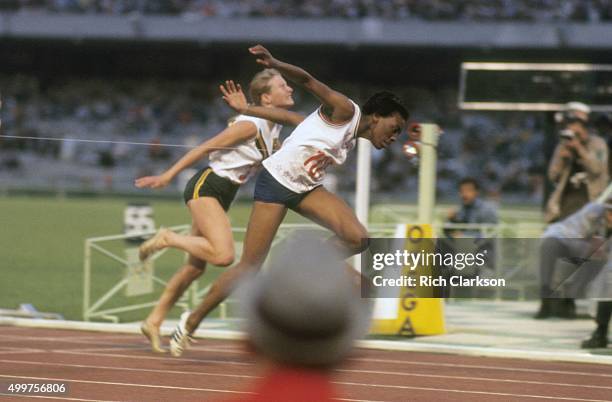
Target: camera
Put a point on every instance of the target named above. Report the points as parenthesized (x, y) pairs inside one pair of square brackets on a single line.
[(567, 134)]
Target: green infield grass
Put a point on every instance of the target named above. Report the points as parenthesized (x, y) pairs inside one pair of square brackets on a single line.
[(42, 243)]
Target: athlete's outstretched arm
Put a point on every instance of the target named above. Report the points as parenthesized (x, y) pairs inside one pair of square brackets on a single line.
[(234, 97), (237, 133), (336, 105)]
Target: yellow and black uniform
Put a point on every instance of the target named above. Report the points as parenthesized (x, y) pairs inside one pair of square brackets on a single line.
[(229, 168), (206, 183), (243, 161)]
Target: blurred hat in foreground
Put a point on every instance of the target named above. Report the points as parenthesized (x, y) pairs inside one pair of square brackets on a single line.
[(304, 309)]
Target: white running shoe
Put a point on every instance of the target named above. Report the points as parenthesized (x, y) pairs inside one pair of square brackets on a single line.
[(180, 337)]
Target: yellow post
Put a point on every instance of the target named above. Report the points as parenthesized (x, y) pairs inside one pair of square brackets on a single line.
[(415, 311)]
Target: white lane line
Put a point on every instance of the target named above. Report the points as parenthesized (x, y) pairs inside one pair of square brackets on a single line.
[(104, 337), (199, 373), (359, 400), (408, 362), (144, 370), (74, 335), (136, 357), (484, 379), (5, 350), (63, 398), (412, 347), (106, 400), (394, 373), (441, 364), (478, 366), (61, 339), (557, 398), (112, 349), (225, 391)]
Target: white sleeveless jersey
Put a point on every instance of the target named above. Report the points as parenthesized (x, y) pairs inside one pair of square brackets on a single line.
[(315, 144), (242, 162)]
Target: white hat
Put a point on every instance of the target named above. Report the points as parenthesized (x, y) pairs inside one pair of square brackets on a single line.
[(578, 107), (304, 309)]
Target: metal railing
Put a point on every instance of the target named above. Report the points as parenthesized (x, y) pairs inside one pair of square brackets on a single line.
[(508, 263)]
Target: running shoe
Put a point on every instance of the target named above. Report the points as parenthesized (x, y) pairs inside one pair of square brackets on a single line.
[(180, 339)]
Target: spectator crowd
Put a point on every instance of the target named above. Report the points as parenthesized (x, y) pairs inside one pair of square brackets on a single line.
[(434, 10), (110, 120)]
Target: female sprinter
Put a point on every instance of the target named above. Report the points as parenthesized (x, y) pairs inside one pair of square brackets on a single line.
[(292, 177), (235, 155)]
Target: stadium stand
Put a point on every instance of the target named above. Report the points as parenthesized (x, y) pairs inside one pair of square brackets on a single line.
[(500, 149), (439, 10), (184, 113)]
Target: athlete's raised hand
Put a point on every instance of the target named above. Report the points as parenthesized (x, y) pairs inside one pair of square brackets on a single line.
[(336, 105), (264, 57), (151, 182), (234, 96)]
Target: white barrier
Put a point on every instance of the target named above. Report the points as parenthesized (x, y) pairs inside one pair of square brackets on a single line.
[(94, 307)]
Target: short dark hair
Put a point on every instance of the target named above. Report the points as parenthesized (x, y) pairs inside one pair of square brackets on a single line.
[(384, 104), (470, 180)]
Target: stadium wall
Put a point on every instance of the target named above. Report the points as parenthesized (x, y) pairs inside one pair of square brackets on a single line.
[(366, 32)]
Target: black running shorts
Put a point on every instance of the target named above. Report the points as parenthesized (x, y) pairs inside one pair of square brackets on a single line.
[(206, 183)]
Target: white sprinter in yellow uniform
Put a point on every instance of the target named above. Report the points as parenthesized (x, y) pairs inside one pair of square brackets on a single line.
[(244, 160)]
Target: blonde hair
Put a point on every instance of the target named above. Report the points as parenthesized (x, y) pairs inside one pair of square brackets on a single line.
[(260, 84)]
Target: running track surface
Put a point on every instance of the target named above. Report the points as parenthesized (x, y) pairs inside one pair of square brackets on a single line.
[(119, 367)]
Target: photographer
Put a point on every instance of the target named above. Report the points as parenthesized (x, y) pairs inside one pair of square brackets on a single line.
[(579, 167), (579, 171), (473, 210), (581, 240)]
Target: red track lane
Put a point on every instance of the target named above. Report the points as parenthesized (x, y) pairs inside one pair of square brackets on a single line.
[(119, 367)]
